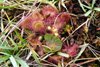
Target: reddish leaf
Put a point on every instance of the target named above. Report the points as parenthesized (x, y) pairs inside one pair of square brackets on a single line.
[(36, 15), (48, 11), (27, 23), (65, 17), (39, 26), (98, 28), (71, 50)]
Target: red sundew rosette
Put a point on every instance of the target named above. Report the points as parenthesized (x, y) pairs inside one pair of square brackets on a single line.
[(48, 11), (27, 23), (70, 50), (39, 26), (36, 15)]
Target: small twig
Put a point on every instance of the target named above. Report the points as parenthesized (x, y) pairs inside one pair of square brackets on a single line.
[(81, 60), (49, 63), (93, 53), (88, 61)]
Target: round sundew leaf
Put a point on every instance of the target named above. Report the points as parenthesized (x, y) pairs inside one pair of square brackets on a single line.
[(65, 17), (38, 26), (27, 23), (48, 11), (53, 42), (36, 15)]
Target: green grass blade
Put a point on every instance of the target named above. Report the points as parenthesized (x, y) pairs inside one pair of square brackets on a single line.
[(6, 47), (87, 7), (13, 61), (5, 53), (16, 48), (21, 62), (47, 56), (35, 57), (81, 5), (19, 35), (44, 1), (35, 53), (97, 9), (7, 7), (8, 51), (63, 54), (20, 50), (93, 2), (4, 43), (87, 13)]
